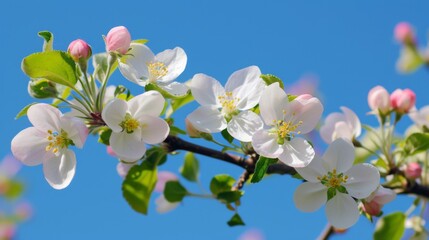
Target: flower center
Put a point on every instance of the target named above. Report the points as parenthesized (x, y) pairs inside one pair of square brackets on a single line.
[(129, 124), (333, 180), (57, 141), (285, 130), (157, 70), (229, 104)]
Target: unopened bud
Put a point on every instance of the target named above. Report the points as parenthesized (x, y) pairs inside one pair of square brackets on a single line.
[(413, 170), (79, 50), (372, 208), (404, 33), (118, 40), (403, 101), (379, 99)]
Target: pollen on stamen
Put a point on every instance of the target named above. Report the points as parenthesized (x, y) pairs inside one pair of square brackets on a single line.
[(156, 70)]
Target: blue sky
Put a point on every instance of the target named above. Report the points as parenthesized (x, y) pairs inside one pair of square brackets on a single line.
[(348, 44)]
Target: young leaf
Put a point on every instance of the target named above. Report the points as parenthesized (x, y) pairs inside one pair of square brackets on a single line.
[(191, 167), (227, 136), (49, 40), (261, 168), (416, 143), (55, 66), (270, 79), (24, 110), (391, 227), (174, 191), (235, 221), (221, 183), (230, 196), (138, 186)]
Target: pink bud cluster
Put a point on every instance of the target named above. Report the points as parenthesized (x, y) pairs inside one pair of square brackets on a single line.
[(404, 33), (401, 100)]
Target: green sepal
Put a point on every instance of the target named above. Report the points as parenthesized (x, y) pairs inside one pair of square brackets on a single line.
[(261, 168), (331, 193), (270, 79)]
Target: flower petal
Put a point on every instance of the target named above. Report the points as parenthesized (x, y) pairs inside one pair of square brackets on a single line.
[(164, 206), (59, 171), (175, 88), (175, 60), (340, 155), (352, 120), (29, 146), (342, 130), (246, 85), (309, 197), (297, 153), (124, 168), (148, 103), (76, 130), (206, 90), (244, 125), (207, 119), (154, 129), (114, 113), (307, 110), (363, 180), (128, 147), (134, 65), (265, 144), (44, 117), (313, 170), (384, 195), (328, 128), (342, 211), (273, 103)]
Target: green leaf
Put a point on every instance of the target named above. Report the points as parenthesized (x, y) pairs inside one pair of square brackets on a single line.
[(416, 143), (382, 166), (221, 183), (235, 221), (270, 79), (138, 186), (104, 136), (174, 191), (164, 93), (99, 62), (230, 196), (140, 41), (190, 168), (178, 103), (176, 131), (55, 66), (227, 136), (156, 156), (49, 40), (261, 168), (291, 97), (24, 110), (390, 227), (331, 193)]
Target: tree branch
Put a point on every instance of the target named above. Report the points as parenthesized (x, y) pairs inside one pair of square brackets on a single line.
[(173, 143)]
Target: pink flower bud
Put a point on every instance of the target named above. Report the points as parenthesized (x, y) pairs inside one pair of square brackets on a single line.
[(404, 33), (413, 170), (118, 40), (163, 178), (403, 100), (379, 99), (79, 49), (373, 208)]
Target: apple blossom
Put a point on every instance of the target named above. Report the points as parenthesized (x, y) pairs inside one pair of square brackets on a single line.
[(124, 168), (420, 117), (79, 49), (403, 101), (162, 204), (334, 180), (48, 143), (379, 100), (341, 125), (228, 107), (141, 66), (283, 120), (374, 202), (404, 33), (118, 39), (135, 123), (413, 170)]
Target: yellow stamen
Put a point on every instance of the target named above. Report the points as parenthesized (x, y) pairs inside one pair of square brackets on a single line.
[(130, 124), (157, 70), (57, 141), (332, 179), (228, 102)]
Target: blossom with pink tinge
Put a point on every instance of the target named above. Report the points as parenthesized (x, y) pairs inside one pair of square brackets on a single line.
[(118, 40), (124, 168), (420, 117), (79, 49), (373, 204), (344, 125), (379, 100), (413, 170), (404, 33), (163, 178), (252, 234), (110, 151), (403, 101)]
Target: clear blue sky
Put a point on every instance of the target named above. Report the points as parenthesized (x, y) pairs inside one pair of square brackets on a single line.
[(349, 46)]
